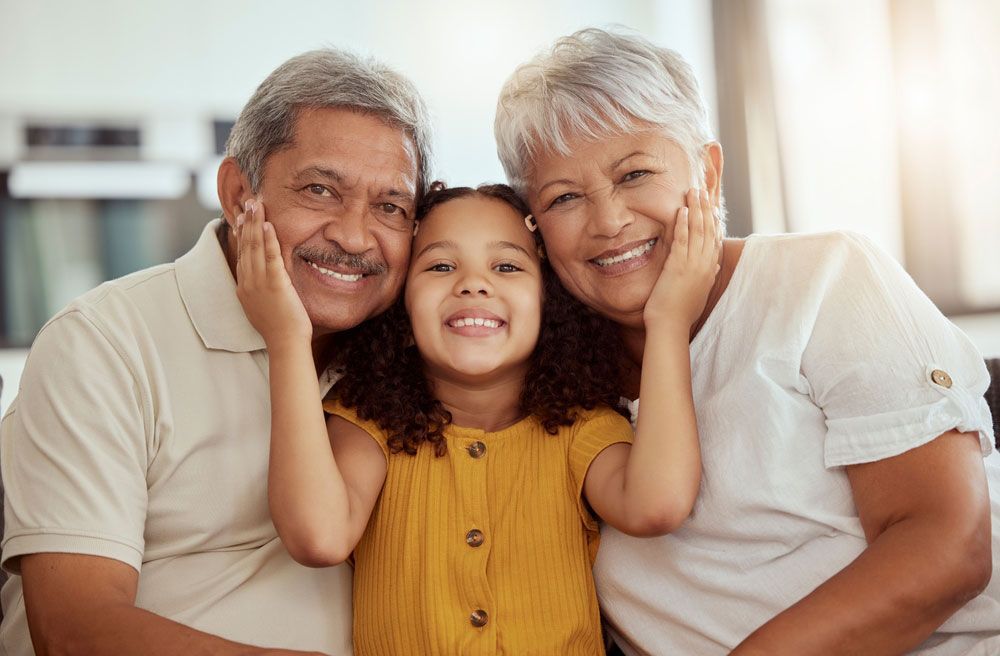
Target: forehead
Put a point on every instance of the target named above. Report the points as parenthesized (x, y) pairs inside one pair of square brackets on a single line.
[(361, 147), (602, 153), (474, 220)]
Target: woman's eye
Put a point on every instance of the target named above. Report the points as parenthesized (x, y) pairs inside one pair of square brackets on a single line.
[(634, 175), (559, 200), (507, 267), (441, 267)]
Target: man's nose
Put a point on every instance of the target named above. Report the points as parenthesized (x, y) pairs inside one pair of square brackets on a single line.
[(351, 229)]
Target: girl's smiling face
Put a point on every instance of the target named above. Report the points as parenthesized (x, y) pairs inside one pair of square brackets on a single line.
[(474, 290)]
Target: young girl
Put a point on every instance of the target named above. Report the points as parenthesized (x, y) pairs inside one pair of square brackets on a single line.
[(466, 455)]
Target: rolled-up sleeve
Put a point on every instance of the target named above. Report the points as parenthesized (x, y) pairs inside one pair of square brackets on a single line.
[(889, 371), (73, 448)]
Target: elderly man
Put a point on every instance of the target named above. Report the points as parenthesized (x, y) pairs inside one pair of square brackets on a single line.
[(135, 456)]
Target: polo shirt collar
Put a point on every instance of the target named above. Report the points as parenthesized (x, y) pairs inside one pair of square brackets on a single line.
[(208, 290)]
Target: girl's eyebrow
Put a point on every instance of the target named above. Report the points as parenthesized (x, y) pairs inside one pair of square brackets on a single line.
[(437, 244), (508, 244), (497, 245)]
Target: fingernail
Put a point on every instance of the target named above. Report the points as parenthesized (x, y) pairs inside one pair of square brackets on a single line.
[(239, 219), (249, 206)]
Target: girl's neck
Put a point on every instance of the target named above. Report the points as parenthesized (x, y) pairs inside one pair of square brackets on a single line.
[(490, 405)]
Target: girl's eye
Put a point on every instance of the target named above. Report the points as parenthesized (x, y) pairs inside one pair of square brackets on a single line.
[(507, 267), (441, 267), (634, 175)]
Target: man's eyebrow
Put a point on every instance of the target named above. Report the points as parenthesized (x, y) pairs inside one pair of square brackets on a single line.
[(444, 243), (401, 194), (508, 244), (320, 171)]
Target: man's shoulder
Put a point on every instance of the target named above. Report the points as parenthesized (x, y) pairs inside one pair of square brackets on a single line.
[(116, 306)]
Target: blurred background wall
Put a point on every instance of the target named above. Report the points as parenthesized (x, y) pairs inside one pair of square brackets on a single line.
[(870, 115)]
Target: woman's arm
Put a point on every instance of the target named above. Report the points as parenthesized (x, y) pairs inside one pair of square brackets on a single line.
[(323, 478), (926, 516), (649, 488)]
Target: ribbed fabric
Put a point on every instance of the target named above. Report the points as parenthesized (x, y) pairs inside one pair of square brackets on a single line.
[(417, 581)]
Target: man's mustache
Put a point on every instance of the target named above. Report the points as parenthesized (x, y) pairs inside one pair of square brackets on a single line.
[(336, 256)]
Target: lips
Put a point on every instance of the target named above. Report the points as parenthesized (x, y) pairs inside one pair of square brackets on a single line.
[(474, 322), (625, 253), (344, 276)]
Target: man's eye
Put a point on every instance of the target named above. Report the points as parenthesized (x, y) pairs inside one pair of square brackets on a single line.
[(318, 190), (634, 175), (441, 267), (389, 208), (507, 267)]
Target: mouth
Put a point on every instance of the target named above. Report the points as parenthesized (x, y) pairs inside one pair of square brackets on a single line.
[(344, 276), (628, 253), (475, 322)]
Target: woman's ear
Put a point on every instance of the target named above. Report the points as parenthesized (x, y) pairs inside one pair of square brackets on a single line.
[(233, 189), (712, 161)]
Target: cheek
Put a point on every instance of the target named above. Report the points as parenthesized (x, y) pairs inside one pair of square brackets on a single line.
[(658, 201)]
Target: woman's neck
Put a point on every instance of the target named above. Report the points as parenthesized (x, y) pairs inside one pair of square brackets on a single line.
[(634, 337), (489, 405)]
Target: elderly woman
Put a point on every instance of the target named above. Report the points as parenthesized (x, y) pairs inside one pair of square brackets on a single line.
[(845, 506)]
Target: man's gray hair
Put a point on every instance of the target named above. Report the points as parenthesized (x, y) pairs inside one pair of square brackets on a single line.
[(592, 84), (326, 78)]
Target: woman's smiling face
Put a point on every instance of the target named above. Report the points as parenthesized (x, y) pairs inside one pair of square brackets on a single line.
[(474, 289), (607, 213)]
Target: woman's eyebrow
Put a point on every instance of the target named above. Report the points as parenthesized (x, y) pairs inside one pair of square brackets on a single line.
[(619, 162)]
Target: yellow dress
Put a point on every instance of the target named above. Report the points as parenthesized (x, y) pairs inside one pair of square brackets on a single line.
[(486, 550)]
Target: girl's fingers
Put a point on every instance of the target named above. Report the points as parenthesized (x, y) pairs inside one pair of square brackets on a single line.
[(696, 224), (272, 253), (681, 231), (240, 254), (710, 227), (254, 240)]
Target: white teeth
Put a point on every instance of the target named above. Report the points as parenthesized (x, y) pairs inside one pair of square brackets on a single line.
[(346, 277), (478, 321), (634, 253)]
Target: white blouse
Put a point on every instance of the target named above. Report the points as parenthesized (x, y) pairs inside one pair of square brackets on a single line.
[(821, 353)]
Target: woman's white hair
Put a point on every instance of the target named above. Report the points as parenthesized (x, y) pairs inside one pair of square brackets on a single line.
[(592, 84), (326, 78)]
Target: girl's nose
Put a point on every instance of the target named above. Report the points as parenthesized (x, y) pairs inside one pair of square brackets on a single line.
[(473, 285)]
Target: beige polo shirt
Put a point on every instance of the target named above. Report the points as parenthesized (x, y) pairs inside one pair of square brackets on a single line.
[(141, 433)]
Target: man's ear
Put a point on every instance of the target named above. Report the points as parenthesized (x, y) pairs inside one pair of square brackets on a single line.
[(234, 190), (712, 161)]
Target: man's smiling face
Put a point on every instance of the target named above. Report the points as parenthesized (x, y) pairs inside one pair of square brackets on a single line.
[(341, 199)]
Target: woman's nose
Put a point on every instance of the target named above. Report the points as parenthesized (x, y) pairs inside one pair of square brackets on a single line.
[(608, 213)]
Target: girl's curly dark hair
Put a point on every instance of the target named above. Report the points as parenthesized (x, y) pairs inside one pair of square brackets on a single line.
[(576, 363)]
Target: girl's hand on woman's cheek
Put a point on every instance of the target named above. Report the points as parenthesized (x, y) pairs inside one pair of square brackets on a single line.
[(689, 272), (262, 284)]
